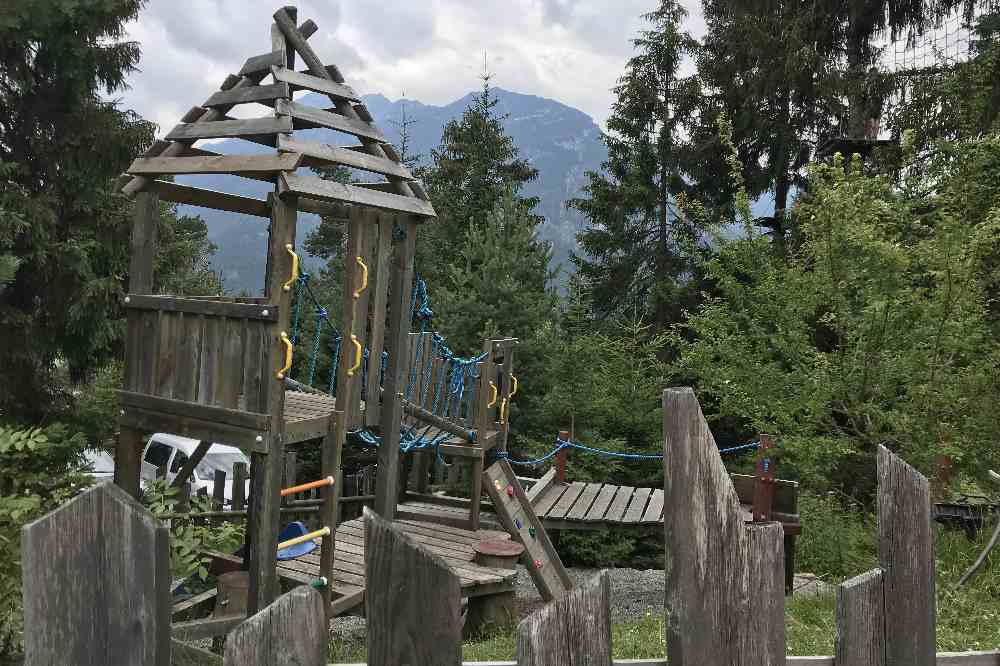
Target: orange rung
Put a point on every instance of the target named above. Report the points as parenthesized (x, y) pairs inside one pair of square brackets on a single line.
[(302, 487)]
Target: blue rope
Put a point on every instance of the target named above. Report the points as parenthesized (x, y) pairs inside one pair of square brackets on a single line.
[(320, 316), (335, 364), (563, 444)]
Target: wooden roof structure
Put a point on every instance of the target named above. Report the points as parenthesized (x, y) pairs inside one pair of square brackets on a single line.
[(393, 187)]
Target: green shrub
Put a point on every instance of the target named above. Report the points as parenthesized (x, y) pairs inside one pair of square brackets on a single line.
[(838, 538)]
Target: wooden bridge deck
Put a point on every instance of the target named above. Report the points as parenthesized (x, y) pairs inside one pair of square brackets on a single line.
[(581, 505), (454, 545)]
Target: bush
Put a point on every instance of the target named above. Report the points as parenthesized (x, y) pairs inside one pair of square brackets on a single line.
[(838, 538), (40, 468)]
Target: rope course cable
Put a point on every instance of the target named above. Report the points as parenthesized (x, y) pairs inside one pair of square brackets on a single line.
[(570, 444)]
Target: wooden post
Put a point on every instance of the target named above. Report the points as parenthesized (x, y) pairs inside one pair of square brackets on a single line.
[(331, 466), (145, 230), (412, 601), (906, 556), (712, 561), (292, 630), (289, 474), (380, 300), (860, 639), (763, 488), (239, 486), (196, 457), (395, 374), (574, 630), (96, 583), (561, 458), (219, 490)]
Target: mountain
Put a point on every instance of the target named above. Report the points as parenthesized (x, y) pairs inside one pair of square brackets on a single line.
[(563, 143)]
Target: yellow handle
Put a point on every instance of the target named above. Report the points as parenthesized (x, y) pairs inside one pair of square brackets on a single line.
[(503, 411), (295, 268), (364, 277), (493, 400), (289, 349), (357, 356), (513, 379), (325, 531)]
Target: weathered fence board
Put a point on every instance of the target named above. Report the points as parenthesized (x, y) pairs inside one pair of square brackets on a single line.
[(860, 639), (88, 597), (290, 632), (763, 635), (574, 630), (412, 602), (906, 556)]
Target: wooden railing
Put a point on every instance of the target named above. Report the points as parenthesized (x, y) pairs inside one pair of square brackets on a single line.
[(724, 602)]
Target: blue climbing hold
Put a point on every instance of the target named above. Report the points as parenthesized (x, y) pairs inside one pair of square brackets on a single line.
[(291, 531)]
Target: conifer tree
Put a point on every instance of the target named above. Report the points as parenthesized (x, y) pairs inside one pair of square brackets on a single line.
[(638, 252)]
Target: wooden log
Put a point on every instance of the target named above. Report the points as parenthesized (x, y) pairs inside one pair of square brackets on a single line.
[(292, 630), (196, 196), (88, 599), (906, 556), (860, 638), (302, 81), (380, 300), (573, 630), (219, 164), (196, 457), (326, 190), (219, 489), (222, 129), (318, 154), (261, 94), (395, 373), (263, 63), (412, 600), (309, 117)]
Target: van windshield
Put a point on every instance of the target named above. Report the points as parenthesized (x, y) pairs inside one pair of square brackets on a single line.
[(214, 460)]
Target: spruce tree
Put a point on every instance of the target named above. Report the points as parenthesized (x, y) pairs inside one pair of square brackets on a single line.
[(638, 252)]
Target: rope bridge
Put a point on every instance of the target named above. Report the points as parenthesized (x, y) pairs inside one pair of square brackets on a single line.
[(570, 444)]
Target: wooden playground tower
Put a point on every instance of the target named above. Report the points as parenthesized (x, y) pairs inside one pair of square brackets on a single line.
[(214, 368)]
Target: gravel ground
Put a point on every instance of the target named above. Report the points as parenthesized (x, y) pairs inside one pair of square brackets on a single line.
[(634, 592)]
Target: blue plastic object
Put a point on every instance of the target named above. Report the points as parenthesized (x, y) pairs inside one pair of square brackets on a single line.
[(291, 531)]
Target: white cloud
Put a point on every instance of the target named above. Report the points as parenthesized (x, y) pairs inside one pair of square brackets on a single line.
[(569, 50)]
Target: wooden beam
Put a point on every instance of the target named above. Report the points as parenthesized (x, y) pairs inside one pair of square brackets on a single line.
[(262, 64), (182, 408), (196, 457), (318, 154), (300, 81), (228, 98), (222, 129), (196, 196), (309, 117), (379, 187), (225, 164), (325, 190), (291, 631)]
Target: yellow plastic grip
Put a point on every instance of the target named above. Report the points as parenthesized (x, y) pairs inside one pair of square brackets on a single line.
[(503, 411), (493, 400), (357, 355), (289, 350), (513, 379), (364, 277), (295, 268), (325, 531)]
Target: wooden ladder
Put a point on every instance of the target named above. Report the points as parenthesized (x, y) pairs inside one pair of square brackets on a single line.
[(515, 512)]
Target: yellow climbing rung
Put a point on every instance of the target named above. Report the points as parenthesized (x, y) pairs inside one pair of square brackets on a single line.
[(305, 537)]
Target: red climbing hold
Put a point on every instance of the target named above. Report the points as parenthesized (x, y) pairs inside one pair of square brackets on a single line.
[(538, 564), (510, 491)]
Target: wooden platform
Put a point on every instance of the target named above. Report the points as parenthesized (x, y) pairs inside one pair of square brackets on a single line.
[(598, 506), (454, 545), (307, 415)]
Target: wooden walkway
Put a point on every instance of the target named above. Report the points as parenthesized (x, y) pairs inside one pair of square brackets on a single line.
[(598, 506), (454, 545)]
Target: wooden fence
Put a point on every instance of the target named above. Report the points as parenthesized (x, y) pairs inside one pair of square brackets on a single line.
[(724, 595)]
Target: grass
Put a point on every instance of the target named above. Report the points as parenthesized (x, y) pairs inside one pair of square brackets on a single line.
[(968, 619)]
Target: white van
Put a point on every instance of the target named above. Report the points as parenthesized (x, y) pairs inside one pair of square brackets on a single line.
[(173, 451)]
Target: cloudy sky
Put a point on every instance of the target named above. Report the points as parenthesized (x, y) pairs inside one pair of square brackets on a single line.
[(430, 50)]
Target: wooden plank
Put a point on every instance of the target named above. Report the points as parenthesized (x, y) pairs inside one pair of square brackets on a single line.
[(318, 154), (205, 627), (413, 601), (193, 602), (541, 486), (264, 312), (519, 519), (223, 129), (603, 501), (218, 164), (149, 354), (262, 64), (188, 354), (210, 369), (573, 631), (292, 630), (301, 81), (196, 196), (762, 631), (637, 506), (860, 637), (255, 372), (259, 93), (68, 558), (619, 504), (326, 190), (582, 504), (906, 556), (566, 502), (309, 117), (655, 508), (196, 457), (143, 420), (549, 499), (231, 363), (380, 298), (785, 492), (233, 417), (185, 653)]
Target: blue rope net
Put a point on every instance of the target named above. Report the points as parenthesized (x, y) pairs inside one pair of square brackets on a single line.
[(570, 444)]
